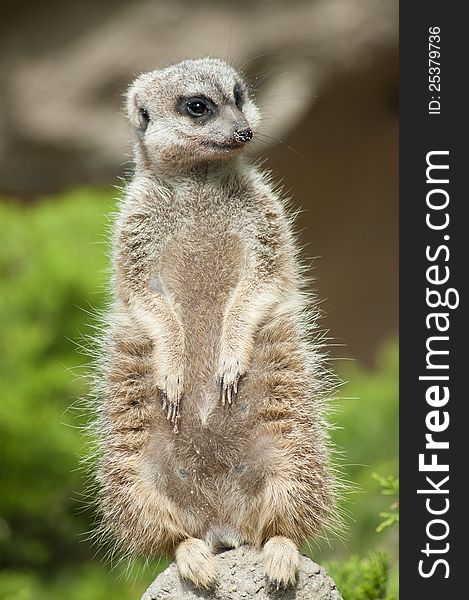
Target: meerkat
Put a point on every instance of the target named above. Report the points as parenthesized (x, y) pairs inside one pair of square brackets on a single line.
[(211, 389)]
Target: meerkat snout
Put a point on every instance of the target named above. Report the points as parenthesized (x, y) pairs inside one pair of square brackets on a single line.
[(193, 112), (243, 135)]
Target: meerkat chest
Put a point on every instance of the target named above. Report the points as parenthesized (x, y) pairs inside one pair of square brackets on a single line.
[(201, 261)]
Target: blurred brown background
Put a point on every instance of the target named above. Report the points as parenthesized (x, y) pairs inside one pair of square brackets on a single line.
[(325, 74)]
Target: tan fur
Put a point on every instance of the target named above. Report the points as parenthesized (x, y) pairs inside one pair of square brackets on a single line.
[(211, 389), (196, 562), (281, 560)]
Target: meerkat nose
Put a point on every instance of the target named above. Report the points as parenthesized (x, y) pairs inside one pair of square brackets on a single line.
[(243, 135)]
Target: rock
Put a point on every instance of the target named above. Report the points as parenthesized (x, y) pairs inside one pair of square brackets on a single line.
[(241, 577)]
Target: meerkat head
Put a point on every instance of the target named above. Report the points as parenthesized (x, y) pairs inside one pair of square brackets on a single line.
[(193, 112)]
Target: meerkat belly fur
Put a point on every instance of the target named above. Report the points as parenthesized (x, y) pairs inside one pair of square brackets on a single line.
[(211, 390)]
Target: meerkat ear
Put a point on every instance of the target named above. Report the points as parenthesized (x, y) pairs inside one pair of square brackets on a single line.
[(138, 114), (131, 105)]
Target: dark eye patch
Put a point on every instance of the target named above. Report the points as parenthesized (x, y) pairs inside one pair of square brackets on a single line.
[(201, 108), (239, 94)]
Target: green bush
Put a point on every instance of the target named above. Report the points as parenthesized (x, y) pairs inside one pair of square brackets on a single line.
[(52, 282), (362, 578), (49, 265), (366, 414)]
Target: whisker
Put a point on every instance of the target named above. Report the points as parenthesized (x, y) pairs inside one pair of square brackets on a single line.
[(278, 140), (262, 55)]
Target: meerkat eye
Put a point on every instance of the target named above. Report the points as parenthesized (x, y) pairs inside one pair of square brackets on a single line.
[(196, 107), (239, 95), (200, 108), (144, 117)]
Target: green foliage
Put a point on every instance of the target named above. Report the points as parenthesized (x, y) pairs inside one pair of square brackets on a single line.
[(366, 416), (49, 263), (52, 276), (86, 581), (389, 487), (362, 578)]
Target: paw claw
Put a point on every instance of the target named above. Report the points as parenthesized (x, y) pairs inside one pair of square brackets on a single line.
[(281, 561), (229, 375), (196, 563), (172, 393)]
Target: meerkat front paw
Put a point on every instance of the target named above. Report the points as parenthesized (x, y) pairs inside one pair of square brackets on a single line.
[(196, 562), (172, 391), (228, 376), (281, 560)]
